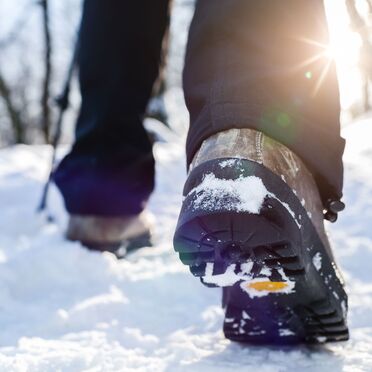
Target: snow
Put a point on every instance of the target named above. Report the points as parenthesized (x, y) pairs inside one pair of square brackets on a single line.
[(229, 277), (288, 208), (244, 194), (321, 339), (285, 332), (63, 308), (227, 163), (317, 261)]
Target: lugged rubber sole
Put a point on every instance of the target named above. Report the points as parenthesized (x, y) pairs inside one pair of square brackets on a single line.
[(279, 283)]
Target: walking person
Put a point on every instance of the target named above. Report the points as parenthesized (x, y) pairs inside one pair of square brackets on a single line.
[(264, 155)]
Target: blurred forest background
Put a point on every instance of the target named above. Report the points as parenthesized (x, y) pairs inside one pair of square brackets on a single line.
[(37, 40)]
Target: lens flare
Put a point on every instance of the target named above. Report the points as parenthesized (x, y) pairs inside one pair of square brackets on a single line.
[(325, 55), (345, 49)]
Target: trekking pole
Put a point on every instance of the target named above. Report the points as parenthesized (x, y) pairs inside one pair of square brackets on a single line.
[(63, 104)]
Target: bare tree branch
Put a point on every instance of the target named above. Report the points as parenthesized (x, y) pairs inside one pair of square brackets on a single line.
[(14, 114), (359, 25), (45, 108), (369, 3)]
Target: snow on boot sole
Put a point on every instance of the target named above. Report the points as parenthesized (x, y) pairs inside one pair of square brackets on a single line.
[(242, 228)]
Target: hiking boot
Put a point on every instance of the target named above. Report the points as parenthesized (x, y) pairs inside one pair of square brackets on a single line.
[(252, 222), (118, 235)]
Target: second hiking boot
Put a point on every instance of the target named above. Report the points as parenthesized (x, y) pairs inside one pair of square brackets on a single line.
[(118, 235), (252, 223)]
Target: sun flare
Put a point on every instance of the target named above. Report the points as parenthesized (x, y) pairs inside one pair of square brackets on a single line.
[(345, 49)]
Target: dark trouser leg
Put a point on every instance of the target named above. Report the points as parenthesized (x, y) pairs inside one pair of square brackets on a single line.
[(110, 170), (252, 64)]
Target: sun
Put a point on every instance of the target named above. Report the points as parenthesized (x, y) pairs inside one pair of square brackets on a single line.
[(344, 48)]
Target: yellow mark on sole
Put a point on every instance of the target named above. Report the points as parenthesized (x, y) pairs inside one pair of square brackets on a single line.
[(268, 286)]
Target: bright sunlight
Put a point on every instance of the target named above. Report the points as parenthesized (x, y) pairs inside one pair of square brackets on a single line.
[(344, 48)]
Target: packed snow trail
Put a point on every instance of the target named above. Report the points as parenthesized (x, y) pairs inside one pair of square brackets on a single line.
[(63, 308)]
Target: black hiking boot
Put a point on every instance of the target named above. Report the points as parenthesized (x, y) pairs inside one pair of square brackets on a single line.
[(118, 235), (252, 222)]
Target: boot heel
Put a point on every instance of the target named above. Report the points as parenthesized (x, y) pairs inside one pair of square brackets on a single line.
[(231, 222)]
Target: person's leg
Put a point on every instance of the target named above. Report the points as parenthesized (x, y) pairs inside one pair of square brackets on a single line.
[(264, 153), (110, 169), (259, 64)]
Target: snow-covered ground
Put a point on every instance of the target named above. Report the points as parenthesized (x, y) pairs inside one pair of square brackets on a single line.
[(63, 308)]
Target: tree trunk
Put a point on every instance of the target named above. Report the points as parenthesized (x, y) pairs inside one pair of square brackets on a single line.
[(14, 114), (45, 108)]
